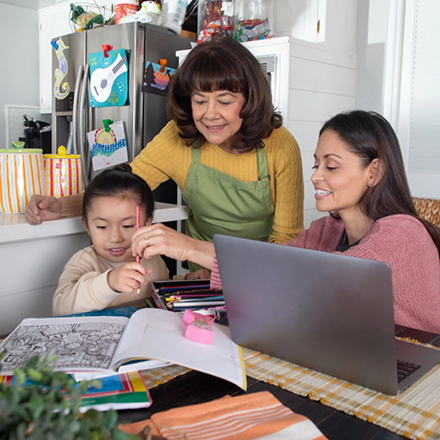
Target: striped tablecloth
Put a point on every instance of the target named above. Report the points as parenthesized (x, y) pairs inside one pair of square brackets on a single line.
[(414, 414)]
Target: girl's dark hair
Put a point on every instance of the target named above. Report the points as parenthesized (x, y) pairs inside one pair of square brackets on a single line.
[(119, 181), (224, 64), (370, 136)]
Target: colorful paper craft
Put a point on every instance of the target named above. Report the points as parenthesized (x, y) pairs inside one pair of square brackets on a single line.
[(60, 89), (157, 78), (108, 148), (108, 78)]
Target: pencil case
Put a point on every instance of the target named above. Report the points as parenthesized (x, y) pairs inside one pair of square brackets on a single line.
[(181, 295)]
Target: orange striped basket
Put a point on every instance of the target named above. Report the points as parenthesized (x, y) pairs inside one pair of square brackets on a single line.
[(21, 176), (63, 173)]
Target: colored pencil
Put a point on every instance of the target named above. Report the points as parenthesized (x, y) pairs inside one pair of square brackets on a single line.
[(176, 288), (138, 224)]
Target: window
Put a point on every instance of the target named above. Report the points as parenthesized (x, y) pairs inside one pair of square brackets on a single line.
[(419, 113)]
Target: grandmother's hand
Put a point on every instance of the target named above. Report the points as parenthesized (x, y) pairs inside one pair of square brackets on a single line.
[(158, 239), (42, 208)]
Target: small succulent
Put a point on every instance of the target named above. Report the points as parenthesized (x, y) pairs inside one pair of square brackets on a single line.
[(44, 404)]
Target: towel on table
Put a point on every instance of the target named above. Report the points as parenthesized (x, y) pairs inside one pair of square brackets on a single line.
[(251, 416)]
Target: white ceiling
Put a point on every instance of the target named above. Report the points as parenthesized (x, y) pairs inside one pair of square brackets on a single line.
[(31, 4)]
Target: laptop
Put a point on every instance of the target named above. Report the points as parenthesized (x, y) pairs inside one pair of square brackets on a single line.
[(328, 312)]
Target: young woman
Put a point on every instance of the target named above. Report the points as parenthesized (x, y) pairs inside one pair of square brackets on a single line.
[(360, 179), (106, 274), (238, 168)]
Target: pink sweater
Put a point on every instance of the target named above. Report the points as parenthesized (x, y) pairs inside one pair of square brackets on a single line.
[(403, 243)]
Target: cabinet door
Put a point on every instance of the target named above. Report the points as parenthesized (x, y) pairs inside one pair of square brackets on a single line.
[(53, 21), (302, 19)]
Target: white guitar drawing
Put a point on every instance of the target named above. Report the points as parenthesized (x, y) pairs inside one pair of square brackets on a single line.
[(101, 80)]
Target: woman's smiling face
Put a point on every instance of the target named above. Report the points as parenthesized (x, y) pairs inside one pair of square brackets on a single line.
[(217, 115), (340, 178)]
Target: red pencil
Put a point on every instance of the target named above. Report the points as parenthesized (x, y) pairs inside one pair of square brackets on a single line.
[(138, 224)]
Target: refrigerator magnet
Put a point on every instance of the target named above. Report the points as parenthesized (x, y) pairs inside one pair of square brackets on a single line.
[(157, 78), (108, 78)]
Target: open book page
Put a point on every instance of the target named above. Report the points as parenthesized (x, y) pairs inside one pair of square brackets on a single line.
[(81, 343), (160, 334)]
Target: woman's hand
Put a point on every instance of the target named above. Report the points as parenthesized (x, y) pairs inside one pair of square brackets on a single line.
[(41, 208), (158, 239), (128, 277)]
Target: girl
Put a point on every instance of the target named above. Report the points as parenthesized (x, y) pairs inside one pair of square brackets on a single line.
[(106, 274)]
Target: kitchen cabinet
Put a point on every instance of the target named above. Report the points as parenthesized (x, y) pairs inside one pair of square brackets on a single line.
[(32, 259), (304, 19)]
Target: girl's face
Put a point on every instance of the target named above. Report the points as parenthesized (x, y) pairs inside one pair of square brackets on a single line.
[(217, 115), (111, 221), (340, 179)]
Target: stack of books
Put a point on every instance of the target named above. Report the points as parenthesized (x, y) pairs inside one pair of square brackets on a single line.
[(118, 391)]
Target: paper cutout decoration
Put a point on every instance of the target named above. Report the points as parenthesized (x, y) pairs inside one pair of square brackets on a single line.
[(108, 148), (60, 90), (157, 81), (108, 78)]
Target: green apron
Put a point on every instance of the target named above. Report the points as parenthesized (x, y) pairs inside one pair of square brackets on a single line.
[(221, 204)]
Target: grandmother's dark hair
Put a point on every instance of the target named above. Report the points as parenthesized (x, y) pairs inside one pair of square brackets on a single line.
[(370, 136), (119, 181), (224, 64)]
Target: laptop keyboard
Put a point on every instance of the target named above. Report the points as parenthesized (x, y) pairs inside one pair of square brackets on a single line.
[(404, 369)]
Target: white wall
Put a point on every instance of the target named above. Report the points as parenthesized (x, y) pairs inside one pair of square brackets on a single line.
[(322, 79), (19, 64)]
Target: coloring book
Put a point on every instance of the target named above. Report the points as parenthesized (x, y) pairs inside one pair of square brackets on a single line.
[(95, 346)]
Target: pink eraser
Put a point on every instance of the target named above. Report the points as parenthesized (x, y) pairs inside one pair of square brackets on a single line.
[(200, 331), (189, 317)]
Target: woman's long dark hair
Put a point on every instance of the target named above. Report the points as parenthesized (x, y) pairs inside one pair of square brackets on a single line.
[(119, 181), (224, 64), (370, 136)]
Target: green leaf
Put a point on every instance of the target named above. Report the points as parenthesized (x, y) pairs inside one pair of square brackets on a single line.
[(109, 419), (34, 374), (120, 435), (92, 415), (36, 405), (32, 362), (19, 378)]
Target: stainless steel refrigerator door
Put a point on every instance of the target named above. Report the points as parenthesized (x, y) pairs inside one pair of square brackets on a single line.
[(131, 37), (160, 44)]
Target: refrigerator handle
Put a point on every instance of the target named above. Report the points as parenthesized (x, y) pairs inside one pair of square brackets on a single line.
[(79, 78), (85, 158)]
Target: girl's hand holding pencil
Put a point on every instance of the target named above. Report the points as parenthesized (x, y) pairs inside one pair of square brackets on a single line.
[(128, 277)]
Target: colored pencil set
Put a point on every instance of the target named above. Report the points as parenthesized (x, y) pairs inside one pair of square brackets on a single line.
[(179, 296)]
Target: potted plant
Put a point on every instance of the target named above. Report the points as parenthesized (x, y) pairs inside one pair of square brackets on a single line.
[(40, 403)]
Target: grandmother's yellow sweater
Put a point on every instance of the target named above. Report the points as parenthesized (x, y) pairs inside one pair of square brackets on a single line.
[(167, 157)]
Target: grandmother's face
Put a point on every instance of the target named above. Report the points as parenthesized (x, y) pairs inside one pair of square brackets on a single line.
[(217, 116)]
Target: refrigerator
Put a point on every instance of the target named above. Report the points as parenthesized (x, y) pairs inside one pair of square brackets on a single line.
[(143, 114)]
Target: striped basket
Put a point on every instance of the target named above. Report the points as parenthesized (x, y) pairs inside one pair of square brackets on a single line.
[(21, 176), (63, 173)]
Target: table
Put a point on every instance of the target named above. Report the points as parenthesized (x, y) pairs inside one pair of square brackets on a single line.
[(195, 387)]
